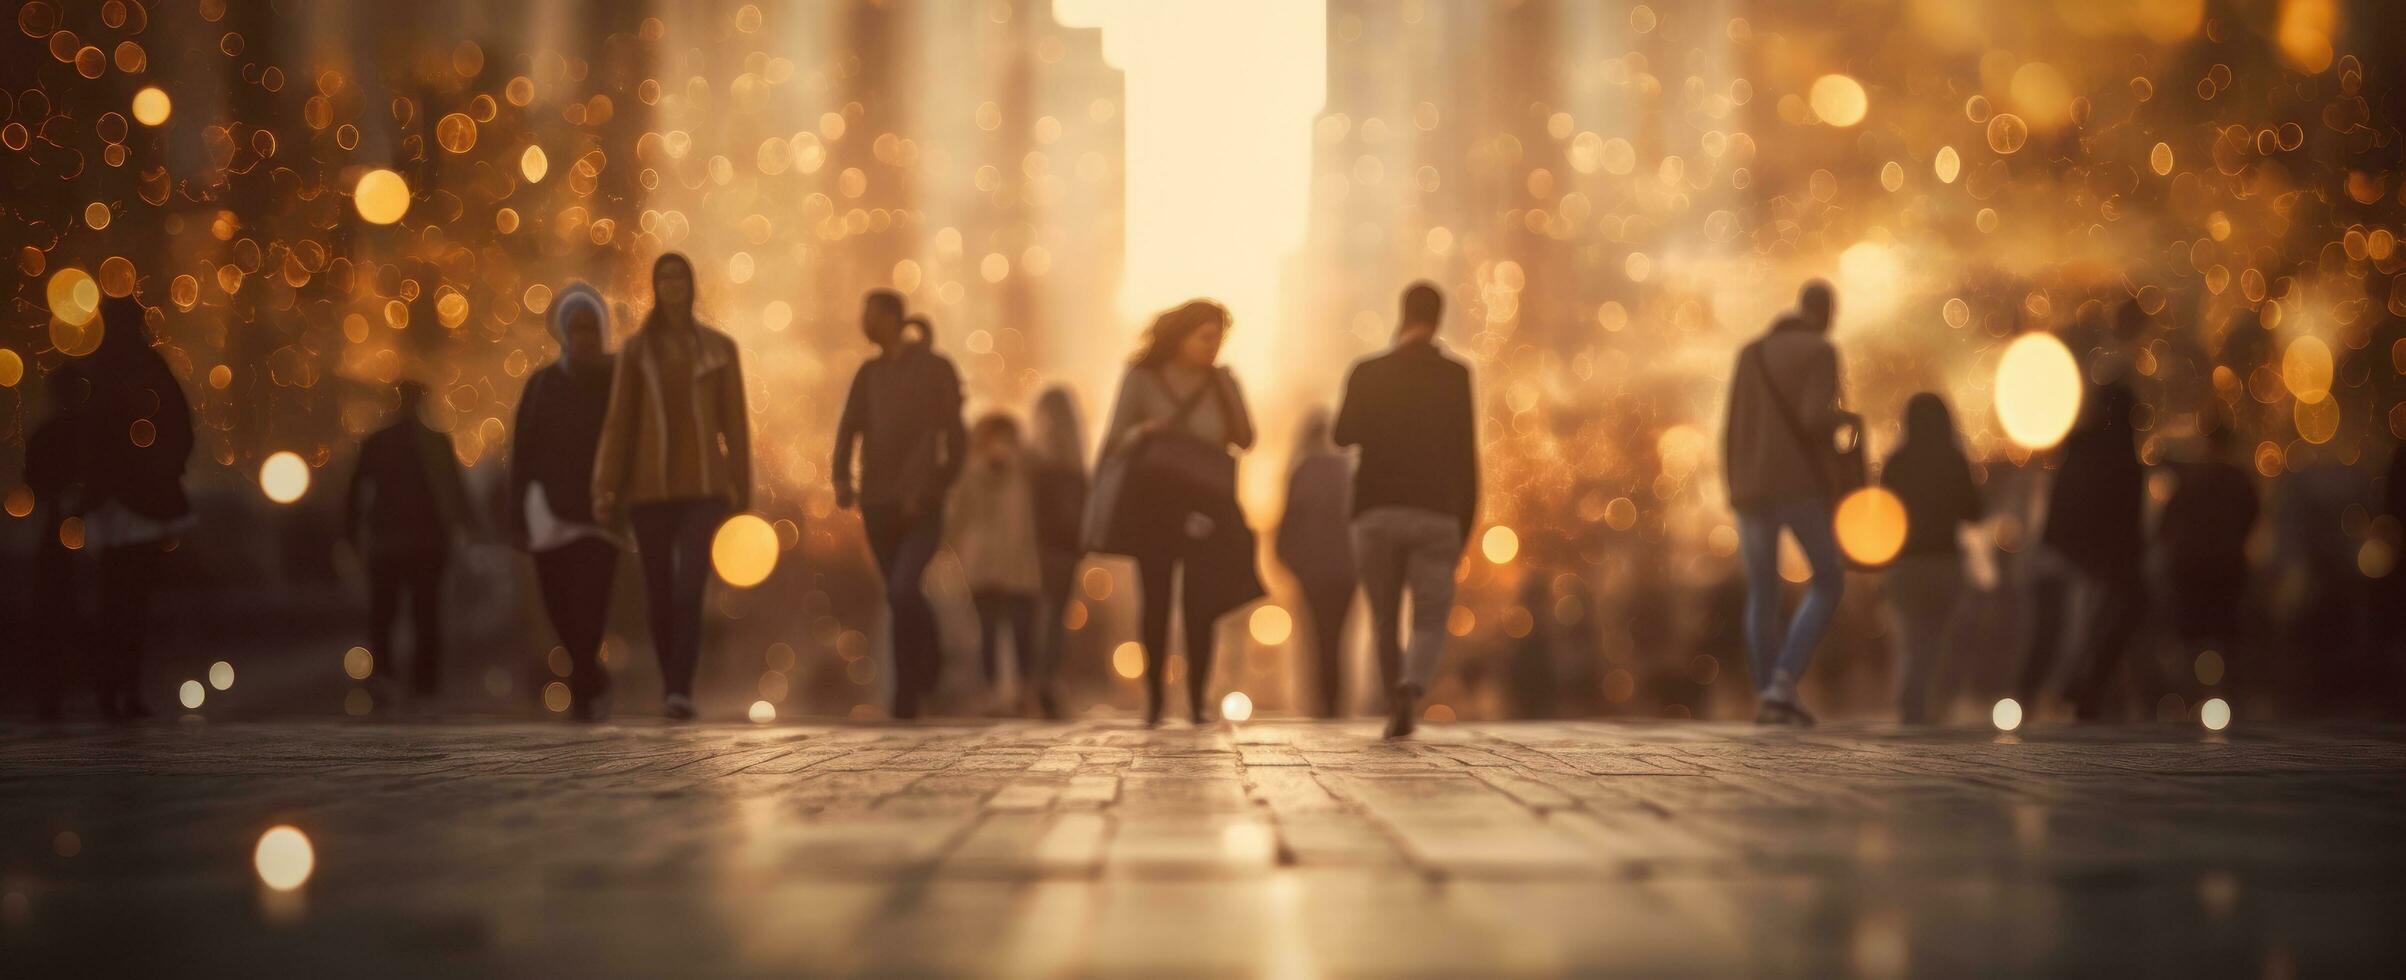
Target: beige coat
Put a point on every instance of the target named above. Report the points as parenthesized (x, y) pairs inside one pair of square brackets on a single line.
[(640, 458)]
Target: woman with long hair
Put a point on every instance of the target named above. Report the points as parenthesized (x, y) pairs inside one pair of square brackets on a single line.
[(1175, 429), (137, 437), (1930, 474), (675, 461), (1316, 546), (1057, 467)]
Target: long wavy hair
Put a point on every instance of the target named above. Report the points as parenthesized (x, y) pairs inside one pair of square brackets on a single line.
[(652, 316), (1170, 330)]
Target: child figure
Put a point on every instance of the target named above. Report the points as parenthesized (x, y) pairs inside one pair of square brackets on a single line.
[(990, 526)]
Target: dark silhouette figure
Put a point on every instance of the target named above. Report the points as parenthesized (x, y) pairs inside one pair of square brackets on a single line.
[(2202, 541), (2092, 546), (54, 474), (902, 419), (1315, 547), (1057, 467), (1930, 474), (559, 430), (990, 526), (1779, 455), (405, 505), (675, 461), (136, 438), (1415, 494), (1165, 493)]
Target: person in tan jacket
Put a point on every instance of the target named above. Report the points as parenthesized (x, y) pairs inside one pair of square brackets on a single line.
[(675, 461)]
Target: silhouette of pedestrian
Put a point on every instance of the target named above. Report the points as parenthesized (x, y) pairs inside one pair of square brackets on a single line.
[(1415, 494), (559, 431), (1165, 493), (54, 475), (1316, 549), (136, 438), (675, 461), (2202, 540), (406, 503), (1779, 455), (1929, 473), (1057, 468), (2091, 548), (990, 526), (903, 418)]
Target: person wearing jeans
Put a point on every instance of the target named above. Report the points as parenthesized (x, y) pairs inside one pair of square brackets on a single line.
[(1415, 493), (1779, 455), (902, 418)]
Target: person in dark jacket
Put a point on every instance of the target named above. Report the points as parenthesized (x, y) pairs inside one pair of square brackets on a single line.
[(1166, 494), (1314, 545), (2093, 546), (559, 432), (2202, 539), (1415, 493), (902, 422), (136, 438), (54, 475), (1057, 466), (406, 503), (1930, 474)]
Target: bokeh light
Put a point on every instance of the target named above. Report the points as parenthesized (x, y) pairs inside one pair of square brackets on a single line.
[(284, 858), (1839, 100), (2038, 390), (381, 196), (1128, 660), (190, 694), (2006, 714), (152, 106), (221, 675), (358, 663), (744, 551), (1236, 706), (284, 477), (762, 713), (1270, 625), (1871, 525), (2214, 714), (74, 296), (1499, 544)]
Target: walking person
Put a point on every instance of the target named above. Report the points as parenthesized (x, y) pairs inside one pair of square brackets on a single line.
[(54, 474), (1165, 493), (558, 432), (1779, 455), (2090, 550), (406, 503), (1057, 469), (990, 527), (902, 419), (675, 461), (1930, 474), (136, 439), (1317, 549), (1415, 493), (2202, 540)]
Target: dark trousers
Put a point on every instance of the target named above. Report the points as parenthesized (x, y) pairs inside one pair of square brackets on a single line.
[(575, 579), (421, 576), (54, 618), (2115, 607), (1326, 604), (126, 576), (903, 545), (1015, 613), (1059, 572), (1156, 574), (673, 538)]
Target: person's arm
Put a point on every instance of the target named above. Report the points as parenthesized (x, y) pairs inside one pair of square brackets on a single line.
[(1819, 393), (1347, 431), (619, 424), (525, 430), (737, 420), (1466, 460), (847, 432), (954, 436), (1240, 418)]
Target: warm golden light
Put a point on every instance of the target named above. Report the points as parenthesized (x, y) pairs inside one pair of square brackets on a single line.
[(557, 697), (381, 196), (190, 694), (12, 369), (1235, 706), (762, 713), (1499, 544), (1871, 525), (2215, 714), (1271, 625), (152, 106), (744, 551), (358, 663), (284, 858), (74, 296), (532, 164), (1128, 660), (2306, 369), (284, 477), (2037, 390), (1839, 100), (2006, 715), (221, 675)]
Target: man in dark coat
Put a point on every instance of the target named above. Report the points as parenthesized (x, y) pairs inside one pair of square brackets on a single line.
[(405, 504)]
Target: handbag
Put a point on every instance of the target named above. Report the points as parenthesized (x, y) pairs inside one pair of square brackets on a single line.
[(1173, 460), (1837, 459)]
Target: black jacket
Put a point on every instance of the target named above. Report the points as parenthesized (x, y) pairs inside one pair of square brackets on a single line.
[(1410, 411), (2097, 505), (904, 411), (558, 432), (406, 496)]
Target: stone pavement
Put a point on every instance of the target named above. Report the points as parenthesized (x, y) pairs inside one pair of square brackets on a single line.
[(1288, 849)]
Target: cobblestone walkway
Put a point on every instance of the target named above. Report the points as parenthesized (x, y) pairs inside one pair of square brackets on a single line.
[(1278, 849)]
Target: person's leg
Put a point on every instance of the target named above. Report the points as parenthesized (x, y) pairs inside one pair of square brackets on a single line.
[(1019, 613), (697, 522), (655, 547), (575, 581), (907, 589), (1055, 625), (1758, 553), (1327, 606), (1201, 629), (1154, 577), (1810, 523), (1436, 548), (2105, 641), (882, 525), (989, 606), (1922, 595), (2048, 591), (126, 576), (1379, 561), (426, 622), (384, 612)]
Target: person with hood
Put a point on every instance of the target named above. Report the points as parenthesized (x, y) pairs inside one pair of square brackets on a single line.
[(1316, 547), (1930, 474), (903, 419), (675, 461), (559, 432), (136, 435), (2092, 546), (406, 503)]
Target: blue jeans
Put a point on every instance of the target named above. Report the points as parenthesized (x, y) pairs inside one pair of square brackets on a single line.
[(1772, 650)]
